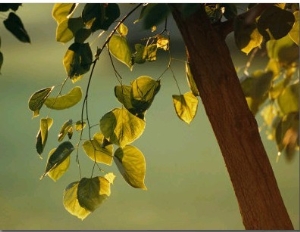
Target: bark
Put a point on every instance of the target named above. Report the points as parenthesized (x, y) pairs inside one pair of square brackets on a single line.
[(260, 202)]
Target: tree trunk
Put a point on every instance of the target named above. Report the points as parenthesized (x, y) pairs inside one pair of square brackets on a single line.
[(260, 202)]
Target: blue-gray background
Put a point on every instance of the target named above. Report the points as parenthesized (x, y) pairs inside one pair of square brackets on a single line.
[(188, 185)]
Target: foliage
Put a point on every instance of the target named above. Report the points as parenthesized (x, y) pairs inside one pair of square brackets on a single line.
[(275, 89)]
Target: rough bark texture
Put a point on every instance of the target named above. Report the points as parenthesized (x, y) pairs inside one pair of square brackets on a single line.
[(235, 127)]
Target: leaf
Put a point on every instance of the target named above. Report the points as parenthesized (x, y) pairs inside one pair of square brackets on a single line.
[(65, 101), (119, 48), (138, 56), (246, 35), (122, 29), (185, 106), (275, 23), (162, 42), (294, 32), (143, 91), (63, 11), (67, 29), (149, 53), (188, 9), (123, 94), (71, 203), (14, 24), (82, 34), (80, 125), (58, 156), (191, 81), (77, 60), (65, 129), (92, 192), (132, 165), (7, 6), (41, 138), (121, 127), (110, 177), (37, 100), (98, 149), (153, 14), (288, 100), (60, 169), (110, 12)]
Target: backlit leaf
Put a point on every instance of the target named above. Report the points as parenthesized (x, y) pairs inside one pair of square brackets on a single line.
[(14, 24), (185, 106), (143, 91), (62, 11), (190, 80), (288, 100), (71, 203), (121, 127), (67, 29), (162, 42), (120, 49), (149, 53), (65, 101), (79, 125), (294, 32), (41, 138), (60, 169), (123, 94), (110, 177), (138, 57), (92, 192), (77, 60), (37, 100), (98, 149), (58, 156), (122, 29), (275, 22), (132, 165), (65, 129)]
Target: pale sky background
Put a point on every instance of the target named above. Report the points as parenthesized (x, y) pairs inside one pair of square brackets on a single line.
[(188, 184)]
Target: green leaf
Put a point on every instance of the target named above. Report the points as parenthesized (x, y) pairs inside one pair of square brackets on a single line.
[(122, 29), (143, 91), (62, 11), (82, 34), (154, 13), (41, 138), (123, 94), (99, 149), (138, 56), (57, 172), (71, 203), (14, 24), (119, 48), (149, 53), (65, 129), (190, 80), (288, 100), (80, 125), (185, 106), (110, 12), (294, 32), (246, 35), (121, 127), (58, 156), (67, 29), (65, 101), (37, 100), (188, 9), (77, 60), (7, 6), (132, 165), (92, 192), (275, 23)]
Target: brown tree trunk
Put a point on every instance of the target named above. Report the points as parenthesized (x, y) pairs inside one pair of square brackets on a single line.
[(260, 202)]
